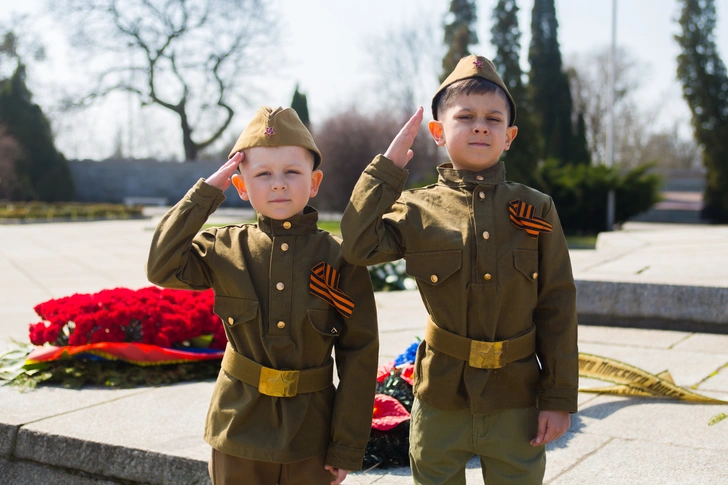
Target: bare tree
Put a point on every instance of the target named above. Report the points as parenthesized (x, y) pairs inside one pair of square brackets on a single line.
[(349, 140), (406, 62), (588, 75), (670, 150), (190, 57), (636, 141)]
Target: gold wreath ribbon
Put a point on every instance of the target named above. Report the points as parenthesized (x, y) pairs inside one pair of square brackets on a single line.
[(522, 216), (633, 381), (325, 284)]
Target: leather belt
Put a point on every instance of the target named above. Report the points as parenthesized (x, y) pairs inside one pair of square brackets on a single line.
[(479, 354), (273, 382)]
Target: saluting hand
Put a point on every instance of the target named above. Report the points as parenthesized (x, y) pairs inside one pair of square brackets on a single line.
[(221, 178), (399, 151)]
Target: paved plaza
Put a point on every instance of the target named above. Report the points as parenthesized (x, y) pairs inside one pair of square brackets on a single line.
[(671, 278)]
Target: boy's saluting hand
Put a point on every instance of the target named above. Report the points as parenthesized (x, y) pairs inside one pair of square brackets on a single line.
[(399, 150), (221, 178)]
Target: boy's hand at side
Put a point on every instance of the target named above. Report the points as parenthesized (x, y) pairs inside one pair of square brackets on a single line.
[(338, 473), (399, 151), (221, 178), (551, 425)]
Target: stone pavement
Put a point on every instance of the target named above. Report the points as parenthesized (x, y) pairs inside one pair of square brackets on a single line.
[(657, 276)]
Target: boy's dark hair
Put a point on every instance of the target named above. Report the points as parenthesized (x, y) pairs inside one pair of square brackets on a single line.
[(473, 85)]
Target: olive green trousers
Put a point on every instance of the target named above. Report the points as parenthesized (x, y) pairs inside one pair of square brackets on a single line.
[(232, 470), (442, 442)]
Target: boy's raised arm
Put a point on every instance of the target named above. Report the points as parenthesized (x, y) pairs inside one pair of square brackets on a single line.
[(374, 221), (177, 250)]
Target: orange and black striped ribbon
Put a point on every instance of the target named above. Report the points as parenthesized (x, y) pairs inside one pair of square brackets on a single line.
[(325, 285), (522, 217)]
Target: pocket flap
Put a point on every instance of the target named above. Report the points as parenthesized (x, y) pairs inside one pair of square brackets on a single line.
[(433, 267), (325, 322), (526, 261), (233, 310)]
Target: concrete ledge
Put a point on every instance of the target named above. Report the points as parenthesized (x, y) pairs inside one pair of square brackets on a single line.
[(21, 472), (8, 434), (608, 302), (111, 461)]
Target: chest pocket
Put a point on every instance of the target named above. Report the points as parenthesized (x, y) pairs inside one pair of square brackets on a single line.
[(526, 262), (434, 267), (325, 322), (235, 311)]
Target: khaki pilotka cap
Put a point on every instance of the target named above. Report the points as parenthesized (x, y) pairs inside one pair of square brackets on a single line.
[(276, 128), (469, 67)]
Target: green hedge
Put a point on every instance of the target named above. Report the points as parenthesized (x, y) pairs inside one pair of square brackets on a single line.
[(580, 193), (44, 211)]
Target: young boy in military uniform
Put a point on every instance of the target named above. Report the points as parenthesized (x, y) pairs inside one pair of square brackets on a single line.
[(286, 298), (496, 374)]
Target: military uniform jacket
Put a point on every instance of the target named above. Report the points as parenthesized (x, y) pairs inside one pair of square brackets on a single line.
[(260, 274), (479, 276)]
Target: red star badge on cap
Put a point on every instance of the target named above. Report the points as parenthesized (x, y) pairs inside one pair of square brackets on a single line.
[(269, 131), (478, 63)]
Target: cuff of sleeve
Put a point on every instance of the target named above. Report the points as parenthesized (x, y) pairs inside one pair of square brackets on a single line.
[(345, 458), (206, 195), (385, 170), (558, 400)]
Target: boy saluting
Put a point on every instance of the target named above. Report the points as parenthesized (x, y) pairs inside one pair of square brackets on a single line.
[(286, 298), (496, 375)]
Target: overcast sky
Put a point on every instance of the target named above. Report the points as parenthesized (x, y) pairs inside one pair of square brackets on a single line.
[(327, 46)]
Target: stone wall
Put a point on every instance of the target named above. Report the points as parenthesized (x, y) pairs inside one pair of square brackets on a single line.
[(159, 183)]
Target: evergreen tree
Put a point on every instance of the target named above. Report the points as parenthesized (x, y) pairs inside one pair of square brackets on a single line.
[(550, 88), (579, 147), (300, 104), (42, 172), (523, 157), (459, 34), (705, 88)]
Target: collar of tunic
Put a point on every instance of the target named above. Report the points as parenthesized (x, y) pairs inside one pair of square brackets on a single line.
[(296, 225), (465, 178)]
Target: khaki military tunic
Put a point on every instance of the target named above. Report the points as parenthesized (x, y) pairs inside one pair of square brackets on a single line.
[(479, 276), (260, 274)]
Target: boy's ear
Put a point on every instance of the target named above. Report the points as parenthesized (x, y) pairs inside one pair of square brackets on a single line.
[(316, 177), (511, 134), (437, 132), (239, 184)]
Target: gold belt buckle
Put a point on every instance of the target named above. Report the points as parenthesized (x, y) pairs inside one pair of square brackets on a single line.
[(278, 383), (487, 355)]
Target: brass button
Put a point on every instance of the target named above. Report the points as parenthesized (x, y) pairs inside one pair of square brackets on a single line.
[(284, 247), (280, 286), (486, 235), (479, 177), (231, 320), (534, 275), (286, 225), (281, 324), (481, 195), (434, 278), (487, 276)]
